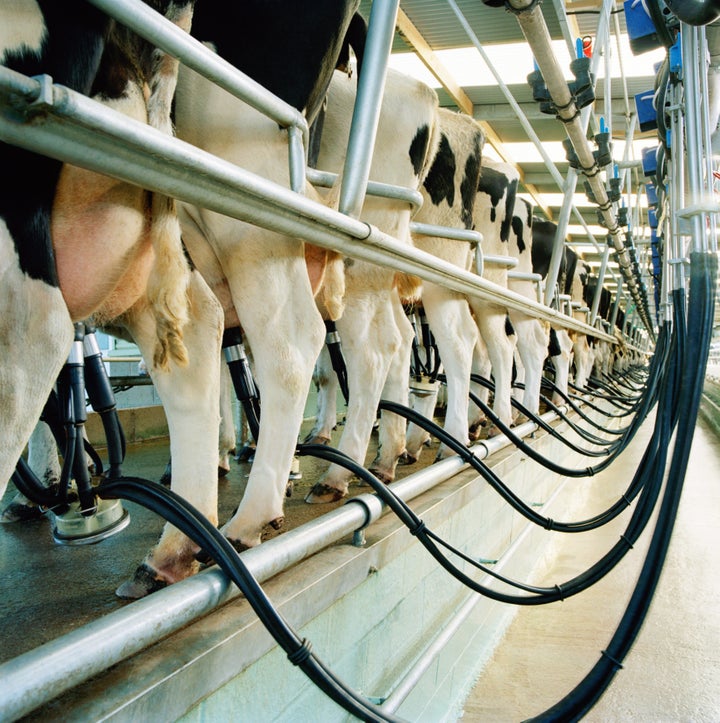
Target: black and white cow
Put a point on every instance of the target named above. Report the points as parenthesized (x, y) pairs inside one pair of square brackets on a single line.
[(77, 246), (564, 346), (375, 332), (493, 214), (449, 193), (266, 281), (532, 333)]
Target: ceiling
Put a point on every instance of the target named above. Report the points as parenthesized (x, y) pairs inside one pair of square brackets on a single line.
[(428, 27)]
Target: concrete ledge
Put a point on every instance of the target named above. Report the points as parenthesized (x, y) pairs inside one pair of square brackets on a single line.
[(139, 424)]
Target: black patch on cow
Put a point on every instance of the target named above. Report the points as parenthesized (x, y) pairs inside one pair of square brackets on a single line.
[(497, 185), (289, 48), (518, 227), (509, 211), (509, 329), (543, 239), (553, 344), (419, 148), (494, 184), (470, 182), (440, 180), (71, 53)]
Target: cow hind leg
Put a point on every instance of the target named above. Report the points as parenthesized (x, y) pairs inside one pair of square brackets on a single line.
[(43, 461), (326, 385), (285, 333), (391, 443), (370, 340), (455, 333), (190, 394)]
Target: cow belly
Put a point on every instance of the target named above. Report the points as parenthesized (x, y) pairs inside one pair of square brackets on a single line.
[(102, 248)]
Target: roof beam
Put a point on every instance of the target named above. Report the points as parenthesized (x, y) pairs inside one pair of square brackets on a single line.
[(414, 38)]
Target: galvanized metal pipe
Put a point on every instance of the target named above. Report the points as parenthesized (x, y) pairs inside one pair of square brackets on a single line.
[(536, 33), (599, 286), (75, 129), (366, 115)]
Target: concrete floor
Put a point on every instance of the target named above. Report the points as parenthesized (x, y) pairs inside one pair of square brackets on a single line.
[(672, 673)]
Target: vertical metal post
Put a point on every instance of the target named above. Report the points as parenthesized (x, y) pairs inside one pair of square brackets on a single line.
[(559, 246), (598, 288), (616, 307), (371, 85)]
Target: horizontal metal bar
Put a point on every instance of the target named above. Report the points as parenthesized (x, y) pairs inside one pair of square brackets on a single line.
[(134, 152), (327, 179), (456, 234), (508, 261), (523, 276)]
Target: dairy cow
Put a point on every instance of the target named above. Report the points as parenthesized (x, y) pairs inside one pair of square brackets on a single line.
[(375, 332), (564, 346), (80, 246), (449, 193), (266, 282), (532, 333), (492, 216)]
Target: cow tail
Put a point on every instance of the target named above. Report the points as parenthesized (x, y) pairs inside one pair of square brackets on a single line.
[(168, 284), (167, 288)]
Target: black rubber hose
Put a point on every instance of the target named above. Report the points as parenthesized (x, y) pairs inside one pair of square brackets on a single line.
[(539, 595), (534, 454), (593, 439), (624, 501), (203, 533), (701, 313)]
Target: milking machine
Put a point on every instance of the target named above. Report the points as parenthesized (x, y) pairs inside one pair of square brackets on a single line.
[(80, 516)]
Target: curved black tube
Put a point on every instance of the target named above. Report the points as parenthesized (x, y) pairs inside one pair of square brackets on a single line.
[(203, 533)]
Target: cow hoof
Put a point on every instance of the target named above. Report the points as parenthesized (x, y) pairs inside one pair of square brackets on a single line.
[(322, 493), (246, 453), (493, 431), (144, 582), (17, 512), (222, 472), (289, 488), (384, 477), (407, 459), (277, 523), (476, 430), (316, 439)]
